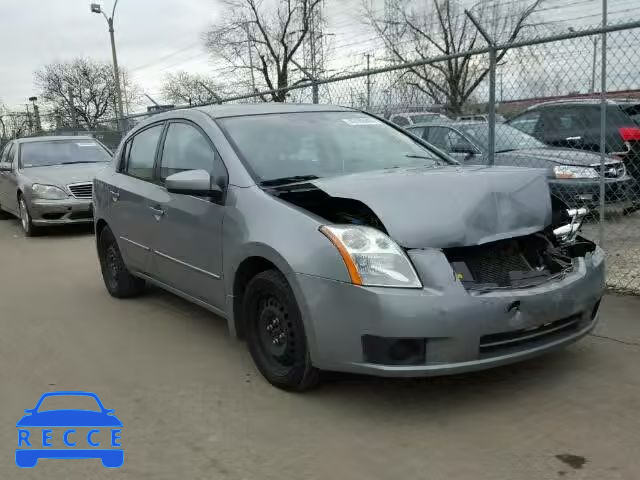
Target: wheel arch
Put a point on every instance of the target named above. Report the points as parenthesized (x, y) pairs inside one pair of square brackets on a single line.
[(246, 270)]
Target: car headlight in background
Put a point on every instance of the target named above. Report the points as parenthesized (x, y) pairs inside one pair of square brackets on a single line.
[(371, 257), (568, 171), (48, 192)]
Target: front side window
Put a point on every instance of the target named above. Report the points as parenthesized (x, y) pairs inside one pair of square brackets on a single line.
[(186, 148), (526, 123), (507, 137), (62, 152), (400, 120), (322, 144), (141, 153), (417, 131)]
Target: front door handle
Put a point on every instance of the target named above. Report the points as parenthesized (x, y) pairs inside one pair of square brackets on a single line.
[(115, 195), (157, 212), (573, 139)]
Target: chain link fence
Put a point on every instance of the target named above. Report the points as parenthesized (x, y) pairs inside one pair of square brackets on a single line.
[(568, 103)]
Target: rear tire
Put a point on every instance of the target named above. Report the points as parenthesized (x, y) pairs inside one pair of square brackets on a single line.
[(275, 333), (119, 282)]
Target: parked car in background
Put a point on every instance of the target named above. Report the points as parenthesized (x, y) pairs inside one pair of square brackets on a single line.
[(409, 118), (574, 175), (480, 118), (48, 181), (576, 124), (331, 240)]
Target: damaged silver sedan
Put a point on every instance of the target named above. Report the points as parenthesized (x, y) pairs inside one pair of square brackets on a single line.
[(331, 240)]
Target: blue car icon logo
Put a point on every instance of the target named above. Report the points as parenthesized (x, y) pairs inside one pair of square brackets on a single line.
[(69, 433)]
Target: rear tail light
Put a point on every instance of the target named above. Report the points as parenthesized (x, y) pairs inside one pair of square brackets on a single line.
[(630, 134)]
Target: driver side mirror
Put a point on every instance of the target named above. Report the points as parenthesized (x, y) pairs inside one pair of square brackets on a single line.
[(464, 147), (198, 183), (5, 167)]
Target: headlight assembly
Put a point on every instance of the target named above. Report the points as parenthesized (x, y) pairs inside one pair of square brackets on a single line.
[(570, 171), (371, 257), (48, 192)]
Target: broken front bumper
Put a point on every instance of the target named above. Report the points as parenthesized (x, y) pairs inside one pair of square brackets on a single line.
[(443, 328)]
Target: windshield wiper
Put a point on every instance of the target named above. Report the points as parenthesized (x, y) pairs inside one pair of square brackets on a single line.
[(83, 161), (287, 180), (435, 160)]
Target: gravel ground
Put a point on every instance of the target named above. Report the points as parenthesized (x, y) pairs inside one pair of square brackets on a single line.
[(622, 244)]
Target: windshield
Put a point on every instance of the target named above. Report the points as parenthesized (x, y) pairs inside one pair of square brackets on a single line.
[(62, 152), (322, 144), (507, 137)]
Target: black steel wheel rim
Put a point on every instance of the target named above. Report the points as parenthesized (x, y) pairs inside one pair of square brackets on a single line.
[(275, 332)]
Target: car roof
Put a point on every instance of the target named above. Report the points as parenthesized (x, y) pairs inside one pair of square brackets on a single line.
[(235, 110), (52, 138), (583, 102), (451, 123)]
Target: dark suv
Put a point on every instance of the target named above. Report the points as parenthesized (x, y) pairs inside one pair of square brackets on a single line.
[(576, 124)]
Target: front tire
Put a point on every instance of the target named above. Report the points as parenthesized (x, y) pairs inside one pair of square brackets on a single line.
[(25, 218), (119, 282), (275, 333)]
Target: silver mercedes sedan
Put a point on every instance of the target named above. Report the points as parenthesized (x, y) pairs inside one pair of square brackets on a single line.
[(331, 239), (48, 181)]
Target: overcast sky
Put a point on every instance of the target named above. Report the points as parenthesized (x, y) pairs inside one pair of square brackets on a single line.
[(155, 37), (36, 32)]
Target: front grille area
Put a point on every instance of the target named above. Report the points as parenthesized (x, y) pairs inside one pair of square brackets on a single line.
[(504, 342), (492, 266), (515, 262), (81, 190)]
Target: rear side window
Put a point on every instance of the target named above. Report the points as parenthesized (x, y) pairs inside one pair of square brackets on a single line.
[(141, 152), (186, 148), (633, 111), (618, 117)]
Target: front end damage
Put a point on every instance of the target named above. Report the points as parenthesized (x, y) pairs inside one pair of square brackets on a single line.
[(531, 288)]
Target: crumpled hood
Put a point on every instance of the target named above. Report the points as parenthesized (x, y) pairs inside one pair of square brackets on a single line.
[(545, 157), (450, 206), (62, 175)]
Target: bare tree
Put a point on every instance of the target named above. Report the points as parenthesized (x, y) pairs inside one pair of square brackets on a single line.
[(265, 42), (13, 124), (81, 88), (432, 28), (188, 88)]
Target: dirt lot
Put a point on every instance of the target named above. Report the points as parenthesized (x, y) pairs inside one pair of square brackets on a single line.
[(194, 407)]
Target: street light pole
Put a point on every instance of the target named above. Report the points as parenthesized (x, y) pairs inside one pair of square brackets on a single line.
[(96, 8)]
